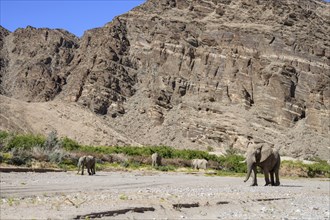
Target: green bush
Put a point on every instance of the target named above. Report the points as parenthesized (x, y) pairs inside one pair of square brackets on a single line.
[(191, 154), (163, 151), (69, 144), (6, 157), (23, 141), (317, 169), (232, 163), (321, 168), (3, 136)]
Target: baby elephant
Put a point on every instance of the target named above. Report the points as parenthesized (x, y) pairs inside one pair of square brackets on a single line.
[(156, 159), (89, 162), (199, 164)]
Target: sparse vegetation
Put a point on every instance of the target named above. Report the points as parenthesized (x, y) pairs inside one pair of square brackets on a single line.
[(298, 168), (231, 162), (10, 201), (22, 141), (123, 197), (166, 168), (22, 149), (210, 149), (19, 149)]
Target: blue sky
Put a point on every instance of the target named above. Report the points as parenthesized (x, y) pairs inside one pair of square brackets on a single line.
[(75, 16)]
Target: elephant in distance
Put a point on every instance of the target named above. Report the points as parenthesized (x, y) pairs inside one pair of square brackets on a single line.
[(265, 157), (88, 162), (156, 160), (199, 164)]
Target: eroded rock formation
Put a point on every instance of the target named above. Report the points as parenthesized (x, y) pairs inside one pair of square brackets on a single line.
[(189, 73)]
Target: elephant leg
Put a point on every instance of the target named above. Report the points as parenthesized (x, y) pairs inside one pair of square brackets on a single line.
[(82, 169), (266, 173), (89, 170), (254, 173), (272, 178), (277, 177)]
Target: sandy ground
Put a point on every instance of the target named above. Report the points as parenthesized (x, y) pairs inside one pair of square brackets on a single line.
[(67, 195)]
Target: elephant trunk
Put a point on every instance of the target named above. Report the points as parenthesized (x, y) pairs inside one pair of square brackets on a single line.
[(249, 167)]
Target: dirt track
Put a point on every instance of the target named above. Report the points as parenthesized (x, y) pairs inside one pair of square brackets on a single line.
[(68, 195)]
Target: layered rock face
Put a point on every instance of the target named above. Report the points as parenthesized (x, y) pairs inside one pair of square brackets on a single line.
[(33, 62), (189, 73)]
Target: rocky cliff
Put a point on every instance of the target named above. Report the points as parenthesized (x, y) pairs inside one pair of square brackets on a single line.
[(184, 73)]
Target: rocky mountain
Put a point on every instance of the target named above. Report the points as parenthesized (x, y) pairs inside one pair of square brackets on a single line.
[(198, 74)]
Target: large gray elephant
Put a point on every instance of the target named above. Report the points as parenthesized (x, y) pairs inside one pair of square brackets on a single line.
[(199, 164), (89, 162), (268, 159), (156, 159)]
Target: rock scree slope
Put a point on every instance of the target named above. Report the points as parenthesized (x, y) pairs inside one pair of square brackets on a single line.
[(184, 73)]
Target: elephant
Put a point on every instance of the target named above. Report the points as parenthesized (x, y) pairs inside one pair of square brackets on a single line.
[(156, 159), (89, 162), (199, 164), (268, 159)]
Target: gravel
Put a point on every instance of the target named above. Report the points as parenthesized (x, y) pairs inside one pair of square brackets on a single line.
[(68, 195)]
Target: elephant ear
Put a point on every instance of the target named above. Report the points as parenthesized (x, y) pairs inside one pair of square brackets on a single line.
[(251, 156), (266, 151)]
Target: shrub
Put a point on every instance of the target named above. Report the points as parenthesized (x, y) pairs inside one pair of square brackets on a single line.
[(134, 164), (56, 155), (52, 141), (123, 197), (3, 136), (298, 168), (20, 157), (50, 151), (39, 153), (321, 168), (69, 144), (163, 151), (25, 141), (6, 157), (69, 161), (166, 168), (231, 162), (124, 164), (191, 154)]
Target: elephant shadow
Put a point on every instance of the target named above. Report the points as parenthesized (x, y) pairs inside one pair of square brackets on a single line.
[(100, 175), (290, 186)]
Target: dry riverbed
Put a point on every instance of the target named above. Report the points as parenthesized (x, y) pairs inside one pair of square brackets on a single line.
[(157, 195)]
